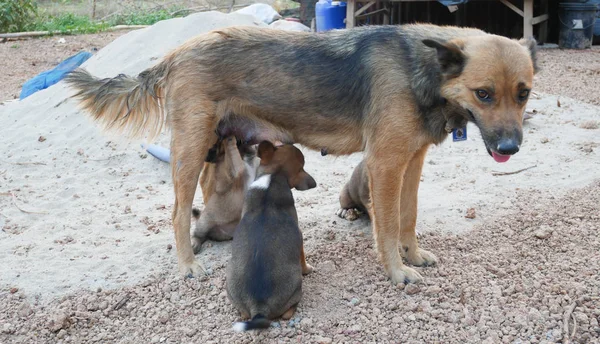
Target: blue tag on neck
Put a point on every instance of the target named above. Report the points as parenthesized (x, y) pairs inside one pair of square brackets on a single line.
[(459, 134)]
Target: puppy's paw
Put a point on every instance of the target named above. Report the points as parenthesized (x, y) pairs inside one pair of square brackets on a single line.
[(405, 275), (348, 214), (191, 269), (307, 269), (421, 257), (196, 244)]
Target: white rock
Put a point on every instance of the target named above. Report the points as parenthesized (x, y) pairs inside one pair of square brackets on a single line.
[(262, 12)]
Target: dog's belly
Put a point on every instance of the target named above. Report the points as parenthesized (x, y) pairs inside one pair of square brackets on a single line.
[(332, 137)]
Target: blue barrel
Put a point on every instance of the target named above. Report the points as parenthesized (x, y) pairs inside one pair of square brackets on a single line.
[(576, 25), (597, 26), (330, 15)]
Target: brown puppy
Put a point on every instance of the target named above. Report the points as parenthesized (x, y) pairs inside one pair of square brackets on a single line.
[(264, 275), (232, 168), (355, 194), (390, 91)]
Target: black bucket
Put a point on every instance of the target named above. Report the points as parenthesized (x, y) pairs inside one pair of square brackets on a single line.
[(576, 25)]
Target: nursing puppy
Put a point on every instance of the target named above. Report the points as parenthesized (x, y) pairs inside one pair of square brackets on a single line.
[(264, 274), (355, 194), (231, 168)]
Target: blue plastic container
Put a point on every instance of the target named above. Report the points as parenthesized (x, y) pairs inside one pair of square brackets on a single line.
[(330, 15)]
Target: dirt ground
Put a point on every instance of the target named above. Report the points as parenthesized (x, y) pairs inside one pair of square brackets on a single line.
[(527, 273)]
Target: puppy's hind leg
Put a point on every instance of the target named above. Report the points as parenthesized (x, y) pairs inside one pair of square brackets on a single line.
[(408, 209), (347, 205)]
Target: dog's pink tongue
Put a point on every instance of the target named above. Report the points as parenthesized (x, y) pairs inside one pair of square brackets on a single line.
[(500, 157)]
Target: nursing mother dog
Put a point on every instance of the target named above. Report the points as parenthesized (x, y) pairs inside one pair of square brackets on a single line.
[(390, 91)]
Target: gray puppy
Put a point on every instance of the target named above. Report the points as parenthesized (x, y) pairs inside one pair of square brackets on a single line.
[(264, 275)]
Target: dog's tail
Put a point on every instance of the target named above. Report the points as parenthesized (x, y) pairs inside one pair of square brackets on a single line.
[(259, 321), (125, 103)]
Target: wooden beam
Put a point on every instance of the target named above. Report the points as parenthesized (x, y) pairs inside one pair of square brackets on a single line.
[(350, 6), (371, 13), (527, 18), (513, 7), (539, 19), (364, 8)]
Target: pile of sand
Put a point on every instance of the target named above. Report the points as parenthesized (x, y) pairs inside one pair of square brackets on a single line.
[(107, 205)]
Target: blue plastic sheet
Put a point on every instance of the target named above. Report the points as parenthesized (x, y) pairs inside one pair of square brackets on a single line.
[(452, 2), (51, 77)]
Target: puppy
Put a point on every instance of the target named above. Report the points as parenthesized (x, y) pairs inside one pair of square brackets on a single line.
[(232, 168), (264, 275), (355, 194)]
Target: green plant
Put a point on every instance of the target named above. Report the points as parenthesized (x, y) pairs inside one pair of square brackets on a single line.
[(147, 17), (67, 23), (15, 15)]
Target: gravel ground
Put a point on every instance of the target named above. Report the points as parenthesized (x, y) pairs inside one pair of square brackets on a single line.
[(527, 277), (22, 60), (570, 73)]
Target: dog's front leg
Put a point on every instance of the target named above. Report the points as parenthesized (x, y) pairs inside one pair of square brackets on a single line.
[(408, 213), (385, 185)]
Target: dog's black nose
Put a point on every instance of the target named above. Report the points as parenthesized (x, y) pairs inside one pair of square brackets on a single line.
[(507, 147)]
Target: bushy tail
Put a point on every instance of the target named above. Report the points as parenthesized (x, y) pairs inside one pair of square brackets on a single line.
[(128, 104), (258, 322)]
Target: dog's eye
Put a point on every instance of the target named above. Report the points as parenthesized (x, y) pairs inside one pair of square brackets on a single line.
[(482, 94), (523, 94)]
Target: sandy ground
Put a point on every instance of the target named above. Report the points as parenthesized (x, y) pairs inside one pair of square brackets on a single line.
[(95, 265)]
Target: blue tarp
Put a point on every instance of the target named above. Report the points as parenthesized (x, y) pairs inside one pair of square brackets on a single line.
[(452, 2), (51, 77)]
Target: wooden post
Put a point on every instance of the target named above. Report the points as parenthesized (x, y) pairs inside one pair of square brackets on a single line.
[(93, 9), (350, 9), (386, 14), (543, 32), (527, 17)]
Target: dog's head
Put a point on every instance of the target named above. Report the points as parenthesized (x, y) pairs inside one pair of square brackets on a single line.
[(289, 160), (491, 77)]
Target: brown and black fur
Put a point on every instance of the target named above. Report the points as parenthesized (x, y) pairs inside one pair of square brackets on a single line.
[(231, 168), (390, 91)]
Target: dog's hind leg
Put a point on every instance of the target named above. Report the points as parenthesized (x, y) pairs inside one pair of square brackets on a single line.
[(193, 127), (408, 210)]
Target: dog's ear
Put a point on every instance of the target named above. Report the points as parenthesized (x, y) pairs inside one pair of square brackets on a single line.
[(531, 45), (450, 56), (265, 152)]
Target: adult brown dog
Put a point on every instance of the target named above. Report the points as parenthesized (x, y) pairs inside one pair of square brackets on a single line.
[(390, 91)]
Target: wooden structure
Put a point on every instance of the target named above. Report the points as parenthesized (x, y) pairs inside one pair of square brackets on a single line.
[(352, 14)]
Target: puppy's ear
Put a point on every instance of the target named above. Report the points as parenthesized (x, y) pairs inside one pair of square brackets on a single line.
[(265, 152), (450, 56), (531, 45)]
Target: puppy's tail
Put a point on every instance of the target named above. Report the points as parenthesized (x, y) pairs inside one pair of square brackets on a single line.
[(125, 103), (258, 322)]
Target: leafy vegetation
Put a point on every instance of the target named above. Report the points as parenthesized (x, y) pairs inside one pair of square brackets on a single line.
[(15, 15)]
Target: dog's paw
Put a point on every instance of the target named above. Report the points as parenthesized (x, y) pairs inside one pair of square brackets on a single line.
[(421, 257), (191, 269), (348, 214), (405, 275), (307, 269)]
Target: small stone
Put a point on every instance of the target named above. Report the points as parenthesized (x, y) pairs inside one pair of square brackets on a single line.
[(534, 315), (175, 297), (24, 310), (103, 305), (355, 301), (8, 328), (470, 213), (323, 340), (412, 289), (163, 317), (61, 334), (127, 210), (190, 331), (327, 266), (543, 233), (169, 247), (544, 140), (433, 291), (306, 323), (155, 339), (59, 321), (582, 318), (41, 139), (14, 290)]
